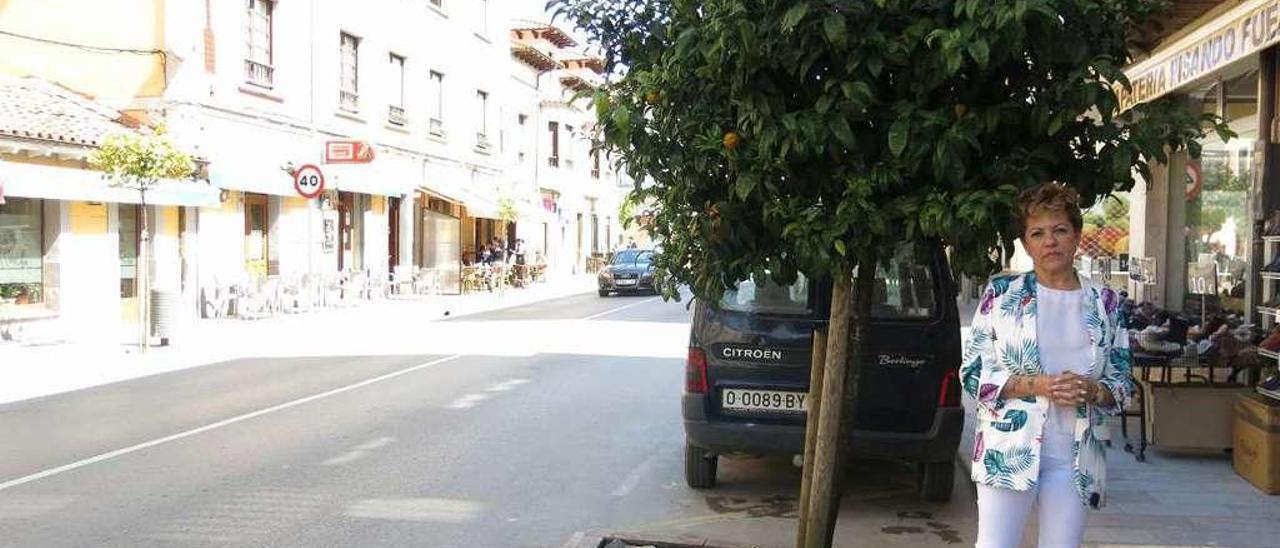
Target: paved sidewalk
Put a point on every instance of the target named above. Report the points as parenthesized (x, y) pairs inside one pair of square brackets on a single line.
[(1172, 499), (34, 371)]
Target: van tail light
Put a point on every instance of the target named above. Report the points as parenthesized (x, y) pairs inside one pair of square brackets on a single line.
[(949, 392), (695, 372)]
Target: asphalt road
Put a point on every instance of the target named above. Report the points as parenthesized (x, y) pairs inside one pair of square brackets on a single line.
[(563, 419)]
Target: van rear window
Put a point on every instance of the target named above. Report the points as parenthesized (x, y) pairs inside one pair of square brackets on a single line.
[(768, 297), (904, 290)]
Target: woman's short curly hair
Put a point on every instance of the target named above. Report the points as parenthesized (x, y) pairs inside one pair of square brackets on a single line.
[(1048, 198)]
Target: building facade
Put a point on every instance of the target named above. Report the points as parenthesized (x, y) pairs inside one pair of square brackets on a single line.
[(435, 129)]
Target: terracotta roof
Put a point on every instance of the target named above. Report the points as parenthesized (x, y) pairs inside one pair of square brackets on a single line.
[(534, 57), (594, 63), (550, 32), (575, 82), (32, 108)]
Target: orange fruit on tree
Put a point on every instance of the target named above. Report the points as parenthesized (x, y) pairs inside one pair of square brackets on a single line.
[(731, 140)]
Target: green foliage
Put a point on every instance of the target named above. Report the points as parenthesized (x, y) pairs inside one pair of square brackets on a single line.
[(1219, 177), (785, 136), (1116, 209), (627, 209), (138, 161), (507, 210)]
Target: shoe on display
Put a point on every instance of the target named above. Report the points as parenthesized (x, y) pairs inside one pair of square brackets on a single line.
[(1271, 383), (1271, 343), (1273, 266)]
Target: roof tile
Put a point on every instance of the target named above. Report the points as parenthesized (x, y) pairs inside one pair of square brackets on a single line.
[(37, 109)]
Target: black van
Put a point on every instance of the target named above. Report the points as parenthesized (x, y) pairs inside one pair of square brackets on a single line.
[(748, 372)]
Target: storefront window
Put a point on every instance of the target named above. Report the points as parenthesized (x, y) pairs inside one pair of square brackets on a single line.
[(21, 251), (1217, 194), (1103, 254)]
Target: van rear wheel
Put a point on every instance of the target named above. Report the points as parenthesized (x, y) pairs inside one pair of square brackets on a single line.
[(699, 467), (937, 479)]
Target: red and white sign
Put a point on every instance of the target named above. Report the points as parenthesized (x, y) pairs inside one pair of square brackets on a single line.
[(308, 180), (1195, 179), (347, 152)]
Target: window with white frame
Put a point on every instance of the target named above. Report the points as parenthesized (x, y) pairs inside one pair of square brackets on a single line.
[(395, 112), (482, 126), (348, 75), (554, 129), (437, 103), (568, 147), (257, 64)]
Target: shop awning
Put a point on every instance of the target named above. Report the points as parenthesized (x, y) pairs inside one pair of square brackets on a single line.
[(367, 179), (480, 206), (265, 180), (63, 183)]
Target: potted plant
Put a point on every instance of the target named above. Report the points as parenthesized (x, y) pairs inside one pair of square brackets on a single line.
[(8, 294), (28, 293)]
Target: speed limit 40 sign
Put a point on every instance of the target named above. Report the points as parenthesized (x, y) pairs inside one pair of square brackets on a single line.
[(308, 181)]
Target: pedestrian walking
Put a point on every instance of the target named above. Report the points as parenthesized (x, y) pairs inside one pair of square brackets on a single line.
[(520, 252), (1048, 360)]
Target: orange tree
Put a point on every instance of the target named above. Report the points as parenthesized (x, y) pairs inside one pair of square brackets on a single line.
[(778, 137)]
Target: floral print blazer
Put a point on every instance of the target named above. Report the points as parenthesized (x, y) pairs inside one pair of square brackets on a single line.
[(1003, 343)]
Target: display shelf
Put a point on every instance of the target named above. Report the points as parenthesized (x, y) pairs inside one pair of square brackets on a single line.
[(1268, 310), (1270, 275), (1271, 239), (1268, 353)]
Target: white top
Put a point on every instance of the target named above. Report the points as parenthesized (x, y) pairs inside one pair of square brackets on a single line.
[(1063, 339)]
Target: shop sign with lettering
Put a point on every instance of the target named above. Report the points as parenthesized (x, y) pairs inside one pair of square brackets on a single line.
[(1236, 34)]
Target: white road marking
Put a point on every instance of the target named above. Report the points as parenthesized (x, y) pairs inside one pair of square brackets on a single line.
[(344, 458), (214, 426), (376, 443), (633, 479), (359, 452), (623, 307), (507, 385), (469, 400)]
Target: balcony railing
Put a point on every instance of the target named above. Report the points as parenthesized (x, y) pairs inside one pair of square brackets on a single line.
[(348, 100), (259, 74), (395, 115), (595, 173), (553, 161), (436, 127)]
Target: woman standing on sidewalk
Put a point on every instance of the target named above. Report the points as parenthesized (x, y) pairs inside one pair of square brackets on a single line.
[(1047, 361)]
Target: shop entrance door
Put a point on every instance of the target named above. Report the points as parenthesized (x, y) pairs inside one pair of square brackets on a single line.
[(255, 235), (393, 234), (130, 235)]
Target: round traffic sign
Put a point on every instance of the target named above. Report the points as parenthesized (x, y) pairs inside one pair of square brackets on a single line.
[(308, 181)]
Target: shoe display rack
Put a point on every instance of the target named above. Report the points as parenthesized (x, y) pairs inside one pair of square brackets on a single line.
[(1269, 310)]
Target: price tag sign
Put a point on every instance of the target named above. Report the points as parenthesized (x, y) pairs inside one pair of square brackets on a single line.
[(308, 181)]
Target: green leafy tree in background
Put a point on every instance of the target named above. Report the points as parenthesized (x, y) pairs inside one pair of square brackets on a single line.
[(781, 137), (139, 162)]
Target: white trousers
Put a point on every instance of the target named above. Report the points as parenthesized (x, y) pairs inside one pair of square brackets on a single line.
[(1003, 513)]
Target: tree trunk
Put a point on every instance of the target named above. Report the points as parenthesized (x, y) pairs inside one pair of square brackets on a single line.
[(819, 524), (144, 278), (817, 365)]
